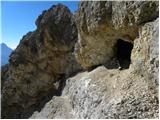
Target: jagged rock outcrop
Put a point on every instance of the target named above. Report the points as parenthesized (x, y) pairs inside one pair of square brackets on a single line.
[(4, 73), (39, 65), (112, 93), (119, 37), (101, 24), (145, 54)]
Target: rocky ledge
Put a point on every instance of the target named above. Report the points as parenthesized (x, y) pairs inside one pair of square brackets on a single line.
[(100, 62)]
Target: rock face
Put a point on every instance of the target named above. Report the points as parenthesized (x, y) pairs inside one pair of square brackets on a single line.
[(104, 94), (112, 93), (40, 63), (145, 52), (119, 37), (101, 24)]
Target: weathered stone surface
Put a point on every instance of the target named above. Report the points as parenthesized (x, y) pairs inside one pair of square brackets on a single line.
[(112, 93), (45, 57), (145, 54), (40, 63), (4, 73), (104, 94), (58, 107), (101, 24)]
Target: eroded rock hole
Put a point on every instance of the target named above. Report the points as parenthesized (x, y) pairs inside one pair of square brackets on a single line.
[(124, 53)]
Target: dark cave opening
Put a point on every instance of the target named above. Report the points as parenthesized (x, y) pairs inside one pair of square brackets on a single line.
[(124, 49)]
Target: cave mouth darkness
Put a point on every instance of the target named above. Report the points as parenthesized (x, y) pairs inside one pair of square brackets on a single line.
[(124, 49)]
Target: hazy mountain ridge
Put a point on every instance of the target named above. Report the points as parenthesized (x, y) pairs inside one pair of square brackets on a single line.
[(5, 53)]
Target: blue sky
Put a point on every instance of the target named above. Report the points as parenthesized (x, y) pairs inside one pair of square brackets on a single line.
[(18, 18)]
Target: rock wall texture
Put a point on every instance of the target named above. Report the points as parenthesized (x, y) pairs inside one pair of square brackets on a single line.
[(101, 24), (41, 79), (40, 63)]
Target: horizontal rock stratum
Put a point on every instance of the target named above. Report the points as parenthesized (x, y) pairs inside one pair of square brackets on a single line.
[(100, 62)]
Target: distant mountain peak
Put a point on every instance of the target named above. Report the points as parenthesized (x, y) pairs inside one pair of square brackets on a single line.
[(5, 45), (5, 52)]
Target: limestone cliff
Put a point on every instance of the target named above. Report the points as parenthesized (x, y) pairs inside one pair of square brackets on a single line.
[(111, 93), (101, 24), (115, 42), (39, 65)]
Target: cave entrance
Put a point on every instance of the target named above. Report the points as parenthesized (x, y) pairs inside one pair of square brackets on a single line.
[(124, 53)]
